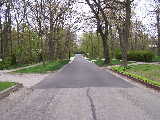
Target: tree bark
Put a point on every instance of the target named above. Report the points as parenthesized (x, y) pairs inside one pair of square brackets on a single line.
[(125, 32), (102, 30), (158, 30), (121, 33), (1, 41)]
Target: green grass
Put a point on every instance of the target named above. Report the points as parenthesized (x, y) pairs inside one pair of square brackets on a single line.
[(149, 71), (101, 63), (5, 85), (50, 66), (146, 72)]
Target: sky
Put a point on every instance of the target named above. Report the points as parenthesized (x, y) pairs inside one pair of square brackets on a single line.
[(142, 10)]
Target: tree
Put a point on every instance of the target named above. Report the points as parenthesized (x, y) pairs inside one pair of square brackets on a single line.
[(157, 11), (102, 11), (124, 30), (35, 31), (102, 25)]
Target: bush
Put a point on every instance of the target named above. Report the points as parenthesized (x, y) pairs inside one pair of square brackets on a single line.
[(5, 64), (13, 60), (118, 54), (141, 56)]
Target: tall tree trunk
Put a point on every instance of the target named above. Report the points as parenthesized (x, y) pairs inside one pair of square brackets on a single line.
[(106, 51), (126, 32), (1, 40), (51, 36), (104, 33), (158, 30), (102, 26), (121, 33), (7, 31), (112, 49), (105, 46)]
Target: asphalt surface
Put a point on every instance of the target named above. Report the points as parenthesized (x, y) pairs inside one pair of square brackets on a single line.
[(79, 74), (82, 91)]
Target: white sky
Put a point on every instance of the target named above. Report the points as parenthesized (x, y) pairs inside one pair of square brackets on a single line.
[(142, 8)]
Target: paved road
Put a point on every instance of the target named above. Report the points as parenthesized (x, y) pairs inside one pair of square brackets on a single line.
[(82, 91), (79, 74)]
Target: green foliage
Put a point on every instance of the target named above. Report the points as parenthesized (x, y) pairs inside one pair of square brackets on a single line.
[(132, 72), (5, 85), (13, 60), (118, 54), (6, 63), (156, 59), (10, 63), (92, 45), (141, 55), (29, 47), (144, 56), (100, 62), (50, 66)]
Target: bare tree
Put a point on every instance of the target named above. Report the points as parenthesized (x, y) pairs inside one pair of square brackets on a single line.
[(102, 25), (157, 11), (124, 30)]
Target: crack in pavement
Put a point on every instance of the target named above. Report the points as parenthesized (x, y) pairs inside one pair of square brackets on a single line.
[(93, 109)]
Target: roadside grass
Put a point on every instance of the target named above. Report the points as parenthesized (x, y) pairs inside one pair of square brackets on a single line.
[(50, 66), (101, 63), (5, 85), (149, 73)]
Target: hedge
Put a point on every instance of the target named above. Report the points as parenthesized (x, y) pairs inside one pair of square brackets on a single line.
[(141, 56)]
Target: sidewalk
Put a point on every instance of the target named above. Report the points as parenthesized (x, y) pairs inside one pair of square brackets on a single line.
[(11, 70), (28, 80)]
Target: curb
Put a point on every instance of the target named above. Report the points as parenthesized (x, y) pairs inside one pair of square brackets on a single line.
[(10, 90)]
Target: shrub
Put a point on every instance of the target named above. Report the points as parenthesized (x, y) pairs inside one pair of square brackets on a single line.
[(118, 54), (141, 55), (5, 64), (13, 60)]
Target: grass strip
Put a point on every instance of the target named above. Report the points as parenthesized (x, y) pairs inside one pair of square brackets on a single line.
[(50, 66), (122, 70), (5, 85)]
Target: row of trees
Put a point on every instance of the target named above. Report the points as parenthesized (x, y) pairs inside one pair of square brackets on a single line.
[(138, 40), (116, 29), (110, 14), (36, 30), (42, 30)]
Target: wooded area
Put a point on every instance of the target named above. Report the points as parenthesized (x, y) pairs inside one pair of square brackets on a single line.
[(118, 31), (34, 31)]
